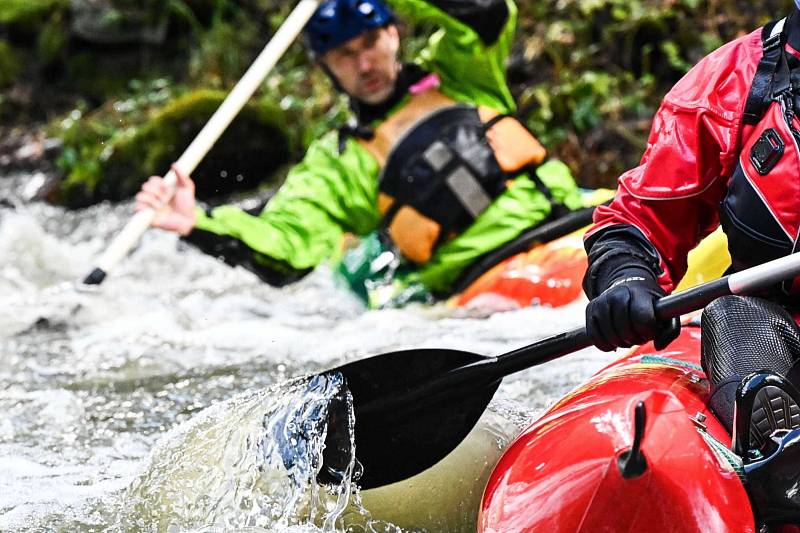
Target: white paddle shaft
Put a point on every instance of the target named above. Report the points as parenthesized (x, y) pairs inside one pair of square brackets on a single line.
[(765, 275), (211, 132)]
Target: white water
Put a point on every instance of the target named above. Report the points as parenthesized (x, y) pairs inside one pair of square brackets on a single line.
[(90, 382)]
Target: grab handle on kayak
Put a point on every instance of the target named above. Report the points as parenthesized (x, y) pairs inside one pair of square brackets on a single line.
[(633, 463)]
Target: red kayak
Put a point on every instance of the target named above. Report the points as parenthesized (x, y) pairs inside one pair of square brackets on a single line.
[(549, 274), (565, 472)]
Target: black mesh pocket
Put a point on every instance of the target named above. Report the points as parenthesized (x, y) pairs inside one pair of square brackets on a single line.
[(743, 335)]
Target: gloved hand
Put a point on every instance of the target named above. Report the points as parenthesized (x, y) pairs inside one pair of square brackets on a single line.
[(624, 314)]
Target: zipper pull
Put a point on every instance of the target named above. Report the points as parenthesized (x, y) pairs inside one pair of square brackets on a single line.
[(787, 101), (788, 104)]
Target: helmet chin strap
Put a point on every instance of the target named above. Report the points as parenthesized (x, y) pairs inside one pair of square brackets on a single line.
[(334, 80)]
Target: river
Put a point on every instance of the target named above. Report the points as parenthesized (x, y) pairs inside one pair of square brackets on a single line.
[(92, 382)]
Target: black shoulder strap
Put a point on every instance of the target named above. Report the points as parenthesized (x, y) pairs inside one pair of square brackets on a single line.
[(773, 39), (358, 131)]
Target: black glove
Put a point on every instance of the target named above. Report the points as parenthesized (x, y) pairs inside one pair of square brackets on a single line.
[(624, 314)]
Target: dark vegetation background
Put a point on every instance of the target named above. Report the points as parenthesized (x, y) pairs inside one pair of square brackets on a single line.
[(99, 94)]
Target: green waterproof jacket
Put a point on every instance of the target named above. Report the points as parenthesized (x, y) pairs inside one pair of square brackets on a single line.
[(330, 192)]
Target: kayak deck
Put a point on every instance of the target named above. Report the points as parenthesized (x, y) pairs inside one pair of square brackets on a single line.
[(562, 473)]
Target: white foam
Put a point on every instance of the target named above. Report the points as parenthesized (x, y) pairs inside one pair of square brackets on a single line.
[(87, 392)]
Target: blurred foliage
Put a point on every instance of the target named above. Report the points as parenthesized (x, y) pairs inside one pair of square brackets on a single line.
[(10, 64), (24, 12), (588, 74)]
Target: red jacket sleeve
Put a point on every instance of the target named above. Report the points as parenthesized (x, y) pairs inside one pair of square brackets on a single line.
[(673, 196)]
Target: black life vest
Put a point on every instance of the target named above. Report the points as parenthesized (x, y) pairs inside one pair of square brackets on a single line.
[(442, 165), (761, 211)]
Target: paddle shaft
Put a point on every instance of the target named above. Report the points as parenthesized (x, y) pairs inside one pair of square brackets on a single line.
[(493, 369), (211, 132), (667, 308), (746, 282)]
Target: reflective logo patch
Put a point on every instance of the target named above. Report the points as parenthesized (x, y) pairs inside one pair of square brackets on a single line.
[(767, 151)]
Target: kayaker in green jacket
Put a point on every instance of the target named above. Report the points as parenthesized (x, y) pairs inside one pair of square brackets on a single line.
[(432, 160)]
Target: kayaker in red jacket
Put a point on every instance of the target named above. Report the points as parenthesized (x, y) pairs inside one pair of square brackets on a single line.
[(724, 149)]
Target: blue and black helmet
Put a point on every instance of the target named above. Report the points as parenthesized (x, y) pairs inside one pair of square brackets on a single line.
[(337, 21)]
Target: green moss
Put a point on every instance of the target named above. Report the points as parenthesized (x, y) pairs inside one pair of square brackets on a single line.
[(109, 153), (27, 11), (10, 64)]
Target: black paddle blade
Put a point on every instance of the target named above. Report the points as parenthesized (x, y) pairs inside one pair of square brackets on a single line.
[(402, 425)]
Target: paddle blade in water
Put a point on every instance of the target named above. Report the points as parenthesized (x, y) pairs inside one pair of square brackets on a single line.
[(402, 426)]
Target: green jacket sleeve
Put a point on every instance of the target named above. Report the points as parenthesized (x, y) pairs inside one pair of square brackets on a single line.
[(324, 195), (469, 57)]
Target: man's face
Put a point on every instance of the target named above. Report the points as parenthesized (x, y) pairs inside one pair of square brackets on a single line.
[(366, 67)]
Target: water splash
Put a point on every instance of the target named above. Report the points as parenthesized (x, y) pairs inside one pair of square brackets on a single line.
[(253, 462), (174, 331), (295, 437)]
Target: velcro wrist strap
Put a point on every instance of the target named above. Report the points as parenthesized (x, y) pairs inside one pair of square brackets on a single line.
[(616, 264)]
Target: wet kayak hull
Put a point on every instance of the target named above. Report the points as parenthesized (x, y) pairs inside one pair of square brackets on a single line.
[(563, 473)]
